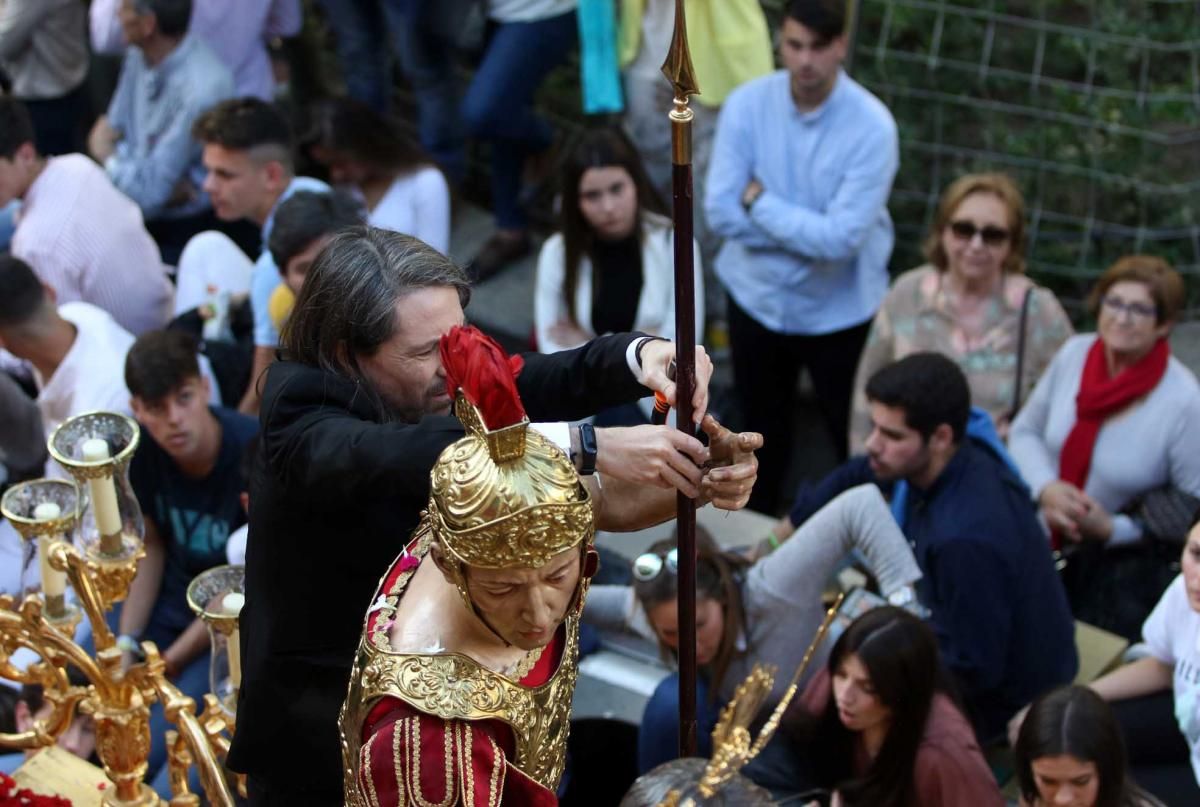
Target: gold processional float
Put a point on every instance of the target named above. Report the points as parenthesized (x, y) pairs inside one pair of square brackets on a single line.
[(89, 535)]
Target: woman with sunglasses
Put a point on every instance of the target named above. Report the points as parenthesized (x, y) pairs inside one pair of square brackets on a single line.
[(764, 611), (971, 302), (878, 727), (1113, 419)]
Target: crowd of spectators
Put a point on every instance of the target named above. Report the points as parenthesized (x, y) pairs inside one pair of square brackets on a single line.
[(999, 475)]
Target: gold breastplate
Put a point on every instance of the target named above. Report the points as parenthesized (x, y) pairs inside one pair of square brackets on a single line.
[(455, 687)]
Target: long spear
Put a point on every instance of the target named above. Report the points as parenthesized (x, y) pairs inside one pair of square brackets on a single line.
[(678, 70)]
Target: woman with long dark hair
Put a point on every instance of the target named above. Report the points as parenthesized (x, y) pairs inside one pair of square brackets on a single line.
[(610, 268), (399, 184), (879, 726), (1070, 752)]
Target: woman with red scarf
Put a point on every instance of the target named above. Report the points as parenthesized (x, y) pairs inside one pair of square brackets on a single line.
[(1114, 418)]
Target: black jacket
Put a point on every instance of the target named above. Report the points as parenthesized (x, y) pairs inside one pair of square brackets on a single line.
[(334, 496)]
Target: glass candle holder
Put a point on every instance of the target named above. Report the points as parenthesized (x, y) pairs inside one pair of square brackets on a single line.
[(95, 448), (217, 596), (44, 511)]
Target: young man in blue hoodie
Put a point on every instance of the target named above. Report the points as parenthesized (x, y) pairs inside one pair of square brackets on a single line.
[(998, 608)]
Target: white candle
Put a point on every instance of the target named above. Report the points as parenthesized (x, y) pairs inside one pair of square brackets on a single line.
[(104, 499), (232, 604), (54, 582)]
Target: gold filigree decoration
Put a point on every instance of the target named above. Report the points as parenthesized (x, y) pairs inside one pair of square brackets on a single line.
[(528, 539), (733, 746), (519, 511)]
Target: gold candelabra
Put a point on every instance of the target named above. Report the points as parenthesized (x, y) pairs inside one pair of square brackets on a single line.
[(95, 448)]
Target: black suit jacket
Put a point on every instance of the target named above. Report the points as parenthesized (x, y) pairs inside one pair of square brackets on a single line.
[(334, 496)]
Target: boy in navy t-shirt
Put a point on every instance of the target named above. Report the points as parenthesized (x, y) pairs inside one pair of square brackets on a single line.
[(185, 475)]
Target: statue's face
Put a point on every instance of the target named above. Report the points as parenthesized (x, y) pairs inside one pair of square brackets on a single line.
[(526, 606)]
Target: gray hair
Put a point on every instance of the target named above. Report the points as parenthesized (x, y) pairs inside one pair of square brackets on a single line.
[(171, 16), (347, 305)]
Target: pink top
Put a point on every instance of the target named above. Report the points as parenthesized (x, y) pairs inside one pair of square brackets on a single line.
[(950, 769), (86, 239), (236, 30)]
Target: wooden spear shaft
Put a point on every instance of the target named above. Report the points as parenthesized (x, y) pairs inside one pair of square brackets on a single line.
[(678, 70)]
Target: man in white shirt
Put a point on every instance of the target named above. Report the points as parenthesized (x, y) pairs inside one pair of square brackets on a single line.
[(82, 236), (78, 356), (247, 153), (77, 350)]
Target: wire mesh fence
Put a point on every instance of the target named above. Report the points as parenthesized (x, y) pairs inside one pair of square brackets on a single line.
[(1093, 106)]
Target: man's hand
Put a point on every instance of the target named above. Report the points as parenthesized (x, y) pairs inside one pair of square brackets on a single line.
[(102, 140), (733, 469), (1064, 507), (750, 195), (656, 361), (652, 455)]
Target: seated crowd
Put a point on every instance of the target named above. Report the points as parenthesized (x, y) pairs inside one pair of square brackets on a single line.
[(999, 476)]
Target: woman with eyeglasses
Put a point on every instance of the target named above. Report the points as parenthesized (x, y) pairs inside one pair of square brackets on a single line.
[(972, 302), (764, 611), (878, 726), (1114, 418)]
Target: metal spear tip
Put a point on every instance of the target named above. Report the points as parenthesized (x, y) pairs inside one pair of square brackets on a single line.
[(678, 67)]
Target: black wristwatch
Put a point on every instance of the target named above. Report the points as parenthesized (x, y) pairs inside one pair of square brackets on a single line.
[(587, 449)]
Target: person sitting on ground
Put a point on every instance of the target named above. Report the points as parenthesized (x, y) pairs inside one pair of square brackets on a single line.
[(972, 302), (248, 156), (401, 187), (31, 706), (304, 223), (610, 268), (239, 32), (1113, 419), (998, 607), (748, 613), (82, 236), (185, 476), (1155, 697), (1070, 751), (879, 725), (145, 141), (77, 351)]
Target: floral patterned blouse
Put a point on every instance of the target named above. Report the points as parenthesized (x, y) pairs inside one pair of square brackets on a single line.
[(916, 316)]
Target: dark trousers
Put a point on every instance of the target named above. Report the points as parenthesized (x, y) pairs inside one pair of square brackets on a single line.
[(269, 793), (766, 367), (58, 122), (1159, 758), (172, 235)]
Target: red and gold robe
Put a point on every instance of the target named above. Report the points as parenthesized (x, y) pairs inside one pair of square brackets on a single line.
[(440, 729)]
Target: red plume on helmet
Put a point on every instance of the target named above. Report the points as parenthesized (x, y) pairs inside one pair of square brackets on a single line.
[(486, 375)]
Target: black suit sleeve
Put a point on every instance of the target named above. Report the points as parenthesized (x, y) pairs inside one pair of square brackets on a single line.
[(573, 384), (318, 447)]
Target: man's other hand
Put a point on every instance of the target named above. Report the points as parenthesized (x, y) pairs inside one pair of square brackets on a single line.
[(656, 361)]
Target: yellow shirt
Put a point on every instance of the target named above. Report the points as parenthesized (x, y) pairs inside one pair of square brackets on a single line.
[(728, 40)]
